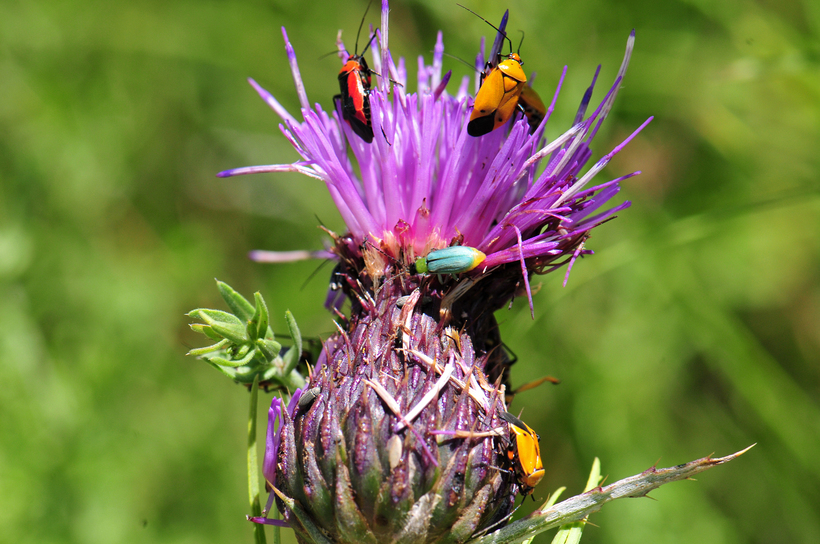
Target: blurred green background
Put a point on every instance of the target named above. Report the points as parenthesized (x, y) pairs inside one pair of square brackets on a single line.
[(694, 329)]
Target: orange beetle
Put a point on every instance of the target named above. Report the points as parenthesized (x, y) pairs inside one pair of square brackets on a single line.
[(524, 453), (502, 83), (498, 96)]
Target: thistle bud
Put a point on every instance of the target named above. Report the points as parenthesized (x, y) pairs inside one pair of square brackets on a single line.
[(403, 439)]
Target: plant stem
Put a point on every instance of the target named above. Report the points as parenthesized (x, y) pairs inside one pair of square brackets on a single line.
[(253, 465)]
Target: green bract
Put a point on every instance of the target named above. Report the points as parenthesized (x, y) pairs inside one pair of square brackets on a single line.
[(245, 344)]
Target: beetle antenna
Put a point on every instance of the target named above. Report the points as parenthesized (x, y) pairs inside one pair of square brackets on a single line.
[(521, 42), (373, 37), (361, 24), (489, 23), (509, 418), (334, 52), (472, 67), (316, 271)]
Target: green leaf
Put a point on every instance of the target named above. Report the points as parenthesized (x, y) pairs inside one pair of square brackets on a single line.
[(234, 363), (236, 333), (212, 317), (268, 349), (549, 502), (571, 532), (246, 346), (200, 352), (553, 498), (293, 381), (206, 330), (258, 325), (245, 375), (238, 304), (272, 377), (229, 373), (594, 476), (291, 358)]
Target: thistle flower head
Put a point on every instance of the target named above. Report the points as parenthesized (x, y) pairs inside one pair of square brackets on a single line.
[(424, 183), (401, 433)]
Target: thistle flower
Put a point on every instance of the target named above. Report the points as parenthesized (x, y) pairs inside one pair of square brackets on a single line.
[(400, 433), (399, 440)]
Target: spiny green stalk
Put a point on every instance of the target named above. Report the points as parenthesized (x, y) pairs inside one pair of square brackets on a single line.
[(580, 506)]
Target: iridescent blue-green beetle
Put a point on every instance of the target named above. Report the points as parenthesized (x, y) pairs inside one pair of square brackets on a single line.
[(450, 260)]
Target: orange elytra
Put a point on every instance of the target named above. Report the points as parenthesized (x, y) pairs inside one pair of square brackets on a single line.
[(502, 83), (524, 453)]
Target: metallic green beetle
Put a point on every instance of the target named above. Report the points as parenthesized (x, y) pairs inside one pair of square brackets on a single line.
[(450, 260)]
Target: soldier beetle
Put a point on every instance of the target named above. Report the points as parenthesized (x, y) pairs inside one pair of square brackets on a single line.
[(501, 85), (450, 260), (524, 453), (497, 97), (354, 83)]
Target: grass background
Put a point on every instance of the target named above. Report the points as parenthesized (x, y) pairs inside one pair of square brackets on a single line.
[(694, 329)]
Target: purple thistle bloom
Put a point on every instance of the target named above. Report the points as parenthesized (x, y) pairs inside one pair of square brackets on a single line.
[(401, 437), (422, 169)]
